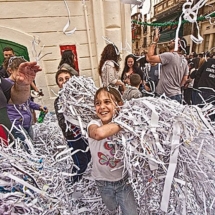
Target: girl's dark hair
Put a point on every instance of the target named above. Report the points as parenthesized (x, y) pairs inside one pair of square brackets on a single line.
[(62, 71), (14, 62), (111, 91), (126, 67), (109, 53), (67, 57)]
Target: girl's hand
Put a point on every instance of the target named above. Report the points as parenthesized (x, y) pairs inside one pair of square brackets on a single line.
[(26, 73)]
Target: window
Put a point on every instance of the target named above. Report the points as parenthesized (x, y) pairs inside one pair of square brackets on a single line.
[(145, 41), (213, 40), (207, 37), (137, 45)]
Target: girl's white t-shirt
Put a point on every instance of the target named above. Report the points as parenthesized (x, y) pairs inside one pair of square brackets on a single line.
[(105, 166)]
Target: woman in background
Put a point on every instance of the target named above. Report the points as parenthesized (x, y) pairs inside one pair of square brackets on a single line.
[(109, 67), (130, 68), (67, 62)]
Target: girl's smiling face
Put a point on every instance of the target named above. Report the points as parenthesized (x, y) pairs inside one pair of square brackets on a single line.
[(105, 105)]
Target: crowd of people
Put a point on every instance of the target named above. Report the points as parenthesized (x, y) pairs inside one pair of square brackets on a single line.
[(188, 79), (169, 73)]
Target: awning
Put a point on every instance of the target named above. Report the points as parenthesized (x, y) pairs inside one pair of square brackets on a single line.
[(169, 35), (168, 32), (168, 18)]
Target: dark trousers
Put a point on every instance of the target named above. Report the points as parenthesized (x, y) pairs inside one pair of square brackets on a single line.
[(188, 96), (195, 96), (209, 97), (81, 159)]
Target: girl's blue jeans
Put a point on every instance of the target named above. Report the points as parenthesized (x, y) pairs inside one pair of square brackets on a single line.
[(118, 193)]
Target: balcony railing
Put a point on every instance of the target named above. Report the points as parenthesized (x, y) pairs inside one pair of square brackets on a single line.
[(167, 5)]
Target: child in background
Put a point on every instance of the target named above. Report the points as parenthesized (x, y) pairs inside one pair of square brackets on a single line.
[(109, 172), (73, 134), (133, 90), (20, 115)]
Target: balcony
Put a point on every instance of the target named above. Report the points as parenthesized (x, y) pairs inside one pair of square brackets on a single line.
[(167, 7)]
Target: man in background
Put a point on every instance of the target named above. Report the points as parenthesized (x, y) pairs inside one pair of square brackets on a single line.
[(206, 84), (174, 69), (7, 53)]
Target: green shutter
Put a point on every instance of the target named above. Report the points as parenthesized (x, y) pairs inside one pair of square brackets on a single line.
[(19, 50)]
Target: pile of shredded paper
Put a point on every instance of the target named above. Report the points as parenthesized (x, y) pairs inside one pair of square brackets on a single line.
[(35, 177), (168, 149)]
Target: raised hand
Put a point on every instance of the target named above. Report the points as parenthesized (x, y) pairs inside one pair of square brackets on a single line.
[(156, 35), (26, 73)]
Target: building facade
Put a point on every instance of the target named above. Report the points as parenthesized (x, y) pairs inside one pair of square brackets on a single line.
[(207, 28), (168, 11), (163, 11), (141, 34), (32, 27)]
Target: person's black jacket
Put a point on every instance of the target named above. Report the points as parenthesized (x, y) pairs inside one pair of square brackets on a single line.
[(73, 132), (206, 74), (3, 73)]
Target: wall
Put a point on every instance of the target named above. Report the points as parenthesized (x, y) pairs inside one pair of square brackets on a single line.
[(22, 21)]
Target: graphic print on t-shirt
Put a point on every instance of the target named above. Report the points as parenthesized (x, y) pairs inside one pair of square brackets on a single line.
[(106, 159), (110, 147)]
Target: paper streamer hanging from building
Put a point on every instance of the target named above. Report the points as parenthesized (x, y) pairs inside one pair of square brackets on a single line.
[(190, 13)]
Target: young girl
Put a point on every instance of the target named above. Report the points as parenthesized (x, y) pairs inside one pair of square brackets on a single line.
[(113, 186)]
